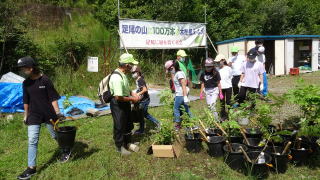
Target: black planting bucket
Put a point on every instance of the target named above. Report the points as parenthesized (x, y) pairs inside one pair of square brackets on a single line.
[(235, 139), (279, 161), (66, 136), (289, 137), (260, 168), (253, 144), (193, 142), (300, 156), (235, 158), (213, 132), (253, 133), (215, 146)]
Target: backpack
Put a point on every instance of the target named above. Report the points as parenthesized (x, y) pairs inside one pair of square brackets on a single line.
[(104, 93)]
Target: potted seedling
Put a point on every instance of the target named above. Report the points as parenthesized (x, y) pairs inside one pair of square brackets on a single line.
[(308, 99), (234, 156), (215, 143), (166, 143), (192, 134)]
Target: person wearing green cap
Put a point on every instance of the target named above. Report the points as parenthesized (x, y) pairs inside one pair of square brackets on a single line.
[(236, 62), (120, 103)]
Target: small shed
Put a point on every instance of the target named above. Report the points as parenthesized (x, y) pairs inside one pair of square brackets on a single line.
[(282, 52)]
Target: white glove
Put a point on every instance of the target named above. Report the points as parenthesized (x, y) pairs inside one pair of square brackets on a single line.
[(25, 119), (186, 99), (261, 86), (239, 84)]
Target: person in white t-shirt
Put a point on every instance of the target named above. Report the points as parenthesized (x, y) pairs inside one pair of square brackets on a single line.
[(262, 58), (236, 62), (181, 95), (226, 86)]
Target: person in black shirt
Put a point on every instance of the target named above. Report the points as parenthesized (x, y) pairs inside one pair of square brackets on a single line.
[(210, 85), (40, 101), (142, 91)]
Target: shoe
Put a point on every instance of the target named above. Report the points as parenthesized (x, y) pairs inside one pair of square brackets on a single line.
[(138, 132), (123, 151), (177, 127), (65, 156), (27, 173)]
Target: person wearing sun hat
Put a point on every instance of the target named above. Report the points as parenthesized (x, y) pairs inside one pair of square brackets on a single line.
[(236, 62), (252, 75), (120, 103), (225, 72)]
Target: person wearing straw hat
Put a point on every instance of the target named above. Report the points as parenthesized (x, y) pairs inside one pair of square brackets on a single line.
[(120, 103), (40, 101), (236, 62), (210, 84), (225, 72)]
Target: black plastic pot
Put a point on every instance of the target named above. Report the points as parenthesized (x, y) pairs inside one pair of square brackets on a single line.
[(66, 136), (215, 146), (213, 132), (235, 139), (253, 144), (300, 156), (253, 133), (279, 161), (235, 158), (260, 168), (193, 142)]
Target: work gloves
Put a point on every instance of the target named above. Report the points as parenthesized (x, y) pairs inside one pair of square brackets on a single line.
[(186, 100)]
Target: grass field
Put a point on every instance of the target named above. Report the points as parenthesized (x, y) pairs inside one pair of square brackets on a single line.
[(94, 155)]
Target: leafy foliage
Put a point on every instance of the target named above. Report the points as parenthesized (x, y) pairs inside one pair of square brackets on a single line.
[(308, 98)]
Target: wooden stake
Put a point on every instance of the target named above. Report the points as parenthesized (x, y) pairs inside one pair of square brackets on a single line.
[(229, 145), (218, 125), (202, 125), (245, 154), (298, 146), (244, 136), (286, 148), (204, 135)]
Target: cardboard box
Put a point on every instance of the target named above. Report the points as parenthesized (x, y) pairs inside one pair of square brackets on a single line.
[(167, 150)]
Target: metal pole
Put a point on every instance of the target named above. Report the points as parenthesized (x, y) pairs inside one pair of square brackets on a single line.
[(119, 26), (212, 44), (205, 21)]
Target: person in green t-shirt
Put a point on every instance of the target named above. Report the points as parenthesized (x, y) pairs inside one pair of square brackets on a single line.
[(120, 103)]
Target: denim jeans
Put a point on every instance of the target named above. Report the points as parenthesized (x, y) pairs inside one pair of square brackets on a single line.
[(178, 101), (144, 106), (33, 139), (265, 84)]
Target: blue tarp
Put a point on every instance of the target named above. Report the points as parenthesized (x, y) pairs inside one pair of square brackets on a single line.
[(11, 100), (78, 102), (11, 97)]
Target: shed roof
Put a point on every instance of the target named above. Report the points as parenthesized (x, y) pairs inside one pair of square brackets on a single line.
[(278, 37)]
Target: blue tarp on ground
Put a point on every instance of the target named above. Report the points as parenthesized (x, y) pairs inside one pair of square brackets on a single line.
[(78, 102), (11, 97), (11, 100)]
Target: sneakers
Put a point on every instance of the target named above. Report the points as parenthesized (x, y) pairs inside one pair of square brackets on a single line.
[(138, 132), (123, 151), (65, 156), (177, 127), (27, 173)]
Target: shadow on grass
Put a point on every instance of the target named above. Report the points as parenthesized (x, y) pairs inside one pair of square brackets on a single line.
[(78, 152)]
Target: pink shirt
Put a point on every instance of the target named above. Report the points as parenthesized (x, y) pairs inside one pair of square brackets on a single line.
[(251, 73)]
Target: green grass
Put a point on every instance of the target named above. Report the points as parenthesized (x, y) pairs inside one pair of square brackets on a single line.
[(94, 156)]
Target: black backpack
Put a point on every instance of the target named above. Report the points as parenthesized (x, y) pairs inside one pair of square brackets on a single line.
[(104, 93)]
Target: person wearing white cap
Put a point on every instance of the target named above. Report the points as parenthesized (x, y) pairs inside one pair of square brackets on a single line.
[(262, 58), (225, 72), (120, 103), (210, 85)]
